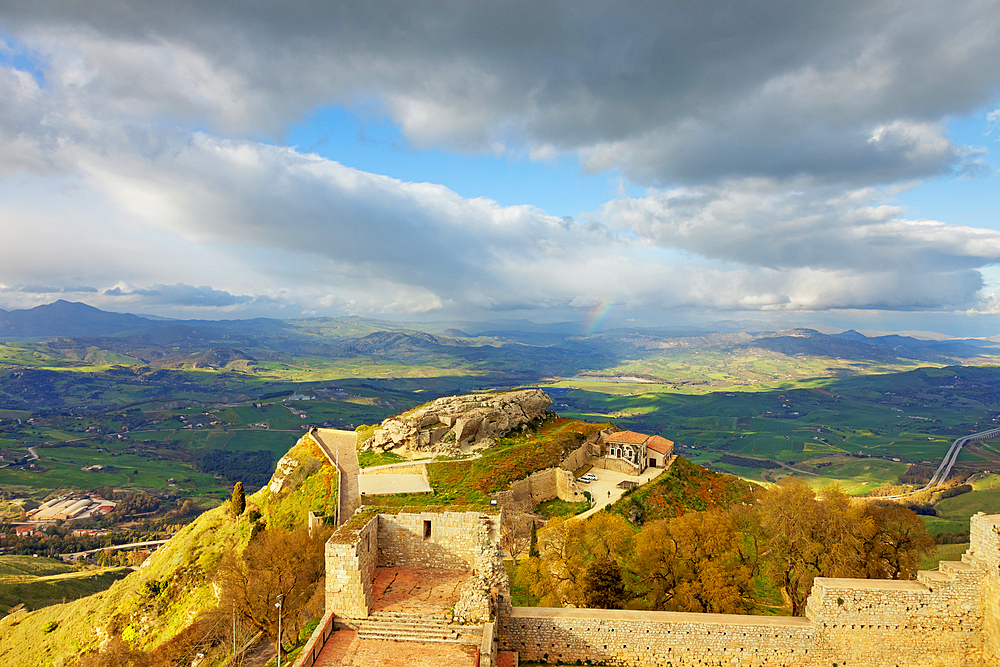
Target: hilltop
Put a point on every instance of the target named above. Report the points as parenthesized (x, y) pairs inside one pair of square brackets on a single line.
[(685, 487)]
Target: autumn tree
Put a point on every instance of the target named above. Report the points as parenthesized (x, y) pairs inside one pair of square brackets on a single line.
[(805, 537), (891, 540), (512, 529), (603, 587), (693, 562), (275, 562), (566, 548)]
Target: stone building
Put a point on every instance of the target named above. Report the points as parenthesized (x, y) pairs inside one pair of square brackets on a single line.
[(632, 453)]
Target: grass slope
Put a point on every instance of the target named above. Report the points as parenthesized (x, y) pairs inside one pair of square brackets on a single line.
[(186, 566), (686, 487)]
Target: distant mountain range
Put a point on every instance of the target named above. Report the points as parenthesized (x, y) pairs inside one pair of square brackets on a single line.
[(76, 330)]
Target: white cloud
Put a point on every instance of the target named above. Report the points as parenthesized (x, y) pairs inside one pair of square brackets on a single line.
[(773, 139)]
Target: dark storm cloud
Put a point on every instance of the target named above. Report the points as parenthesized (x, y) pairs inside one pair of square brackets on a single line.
[(664, 91), (181, 295)]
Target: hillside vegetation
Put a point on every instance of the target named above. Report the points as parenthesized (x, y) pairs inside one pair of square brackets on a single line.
[(148, 611), (686, 487)]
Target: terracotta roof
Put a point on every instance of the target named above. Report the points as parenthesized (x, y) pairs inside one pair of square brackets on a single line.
[(660, 444), (627, 437)]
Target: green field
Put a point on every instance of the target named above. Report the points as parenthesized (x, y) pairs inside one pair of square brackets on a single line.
[(40, 582)]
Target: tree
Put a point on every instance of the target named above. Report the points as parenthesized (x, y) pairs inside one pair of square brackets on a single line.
[(892, 539), (276, 562), (512, 522), (693, 562), (566, 548), (603, 585), (805, 537), (239, 499), (533, 541)]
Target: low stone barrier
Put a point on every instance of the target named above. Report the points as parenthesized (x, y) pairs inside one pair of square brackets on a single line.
[(316, 642)]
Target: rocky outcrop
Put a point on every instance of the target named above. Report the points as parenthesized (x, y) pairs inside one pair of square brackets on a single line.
[(452, 422)]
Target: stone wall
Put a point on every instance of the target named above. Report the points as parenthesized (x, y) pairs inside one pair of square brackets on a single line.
[(984, 545), (617, 465), (584, 454), (546, 485), (350, 569), (946, 618), (451, 540), (656, 638)]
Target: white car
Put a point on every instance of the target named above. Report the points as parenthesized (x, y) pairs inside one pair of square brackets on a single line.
[(588, 478)]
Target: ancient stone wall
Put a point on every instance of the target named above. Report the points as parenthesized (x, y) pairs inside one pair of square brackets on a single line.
[(617, 465), (984, 547), (656, 638), (546, 485), (583, 455), (451, 540), (350, 569), (946, 618)]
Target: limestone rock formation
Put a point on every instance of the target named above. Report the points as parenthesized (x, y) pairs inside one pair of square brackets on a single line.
[(449, 423)]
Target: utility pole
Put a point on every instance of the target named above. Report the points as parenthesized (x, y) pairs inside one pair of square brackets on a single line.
[(278, 605)]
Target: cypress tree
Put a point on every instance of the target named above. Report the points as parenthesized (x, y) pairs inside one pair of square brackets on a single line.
[(533, 545), (239, 499)]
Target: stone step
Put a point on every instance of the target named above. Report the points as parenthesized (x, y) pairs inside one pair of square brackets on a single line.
[(410, 615), (411, 638), (407, 634), (932, 577), (954, 567), (403, 627)]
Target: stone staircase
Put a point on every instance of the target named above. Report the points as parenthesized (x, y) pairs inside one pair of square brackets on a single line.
[(410, 627)]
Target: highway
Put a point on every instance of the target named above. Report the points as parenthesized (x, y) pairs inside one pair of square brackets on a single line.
[(117, 547), (944, 469)]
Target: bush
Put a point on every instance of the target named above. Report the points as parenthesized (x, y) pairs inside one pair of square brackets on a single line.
[(956, 491), (49, 626)]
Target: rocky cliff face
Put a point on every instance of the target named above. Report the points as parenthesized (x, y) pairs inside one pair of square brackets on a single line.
[(453, 422)]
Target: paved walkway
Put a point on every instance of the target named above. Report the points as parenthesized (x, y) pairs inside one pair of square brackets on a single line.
[(344, 649), (383, 485), (341, 447), (417, 590), (605, 489)]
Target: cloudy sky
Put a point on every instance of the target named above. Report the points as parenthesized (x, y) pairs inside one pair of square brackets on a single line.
[(664, 162)]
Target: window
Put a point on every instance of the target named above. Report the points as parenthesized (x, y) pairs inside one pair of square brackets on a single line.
[(427, 530)]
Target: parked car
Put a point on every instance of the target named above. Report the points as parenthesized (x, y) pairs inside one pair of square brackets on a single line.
[(588, 478)]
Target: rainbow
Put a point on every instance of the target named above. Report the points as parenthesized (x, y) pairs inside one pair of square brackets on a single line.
[(597, 315)]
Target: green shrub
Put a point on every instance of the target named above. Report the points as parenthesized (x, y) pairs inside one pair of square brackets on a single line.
[(49, 626)]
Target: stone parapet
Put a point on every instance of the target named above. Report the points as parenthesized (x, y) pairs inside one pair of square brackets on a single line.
[(657, 638), (946, 618)]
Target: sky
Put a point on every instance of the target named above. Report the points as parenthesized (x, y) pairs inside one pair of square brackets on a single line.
[(646, 163)]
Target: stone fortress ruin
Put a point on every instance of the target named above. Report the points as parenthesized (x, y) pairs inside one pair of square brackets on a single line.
[(946, 618)]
